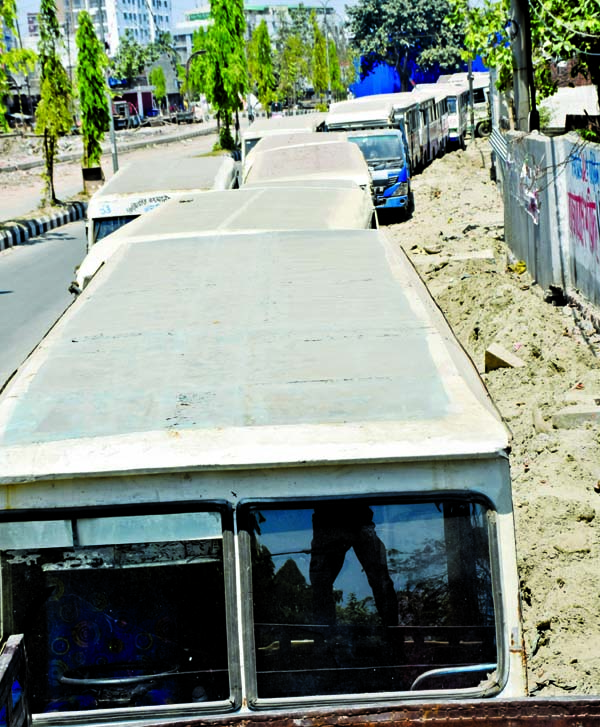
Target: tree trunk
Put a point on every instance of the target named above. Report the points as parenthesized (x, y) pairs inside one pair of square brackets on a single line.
[(49, 152)]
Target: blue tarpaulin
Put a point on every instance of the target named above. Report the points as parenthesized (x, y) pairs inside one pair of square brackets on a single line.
[(385, 79)]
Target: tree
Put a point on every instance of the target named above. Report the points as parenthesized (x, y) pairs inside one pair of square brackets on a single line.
[(91, 85), (228, 58), (54, 109), (569, 29), (559, 31), (132, 58), (335, 74), (320, 72), (199, 78), (485, 35), (158, 80), (17, 59), (398, 32), (260, 64), (293, 67), (293, 42)]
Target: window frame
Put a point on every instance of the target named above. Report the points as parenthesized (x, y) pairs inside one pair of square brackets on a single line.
[(170, 711), (259, 704)]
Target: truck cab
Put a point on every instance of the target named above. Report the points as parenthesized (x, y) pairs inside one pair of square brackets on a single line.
[(385, 153), (371, 124)]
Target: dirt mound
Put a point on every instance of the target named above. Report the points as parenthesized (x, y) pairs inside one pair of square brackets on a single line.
[(455, 239)]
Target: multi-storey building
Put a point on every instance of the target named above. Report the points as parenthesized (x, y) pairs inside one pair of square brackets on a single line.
[(112, 19), (199, 17)]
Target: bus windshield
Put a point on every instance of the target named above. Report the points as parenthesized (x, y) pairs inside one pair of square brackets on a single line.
[(380, 148)]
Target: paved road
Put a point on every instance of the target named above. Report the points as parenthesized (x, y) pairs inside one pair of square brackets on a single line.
[(34, 279)]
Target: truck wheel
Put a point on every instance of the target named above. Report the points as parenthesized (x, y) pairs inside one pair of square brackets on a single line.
[(483, 129)]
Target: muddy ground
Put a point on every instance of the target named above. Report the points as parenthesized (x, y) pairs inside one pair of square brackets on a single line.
[(455, 239)]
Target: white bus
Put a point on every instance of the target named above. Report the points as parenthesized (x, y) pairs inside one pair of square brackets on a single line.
[(341, 161), (140, 187), (248, 210), (253, 476), (279, 125)]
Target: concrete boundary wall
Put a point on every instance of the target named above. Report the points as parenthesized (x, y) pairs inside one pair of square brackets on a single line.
[(551, 191)]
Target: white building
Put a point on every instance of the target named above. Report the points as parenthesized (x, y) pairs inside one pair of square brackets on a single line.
[(199, 17), (112, 18)]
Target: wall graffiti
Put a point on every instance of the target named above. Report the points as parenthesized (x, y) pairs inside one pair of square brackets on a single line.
[(584, 207)]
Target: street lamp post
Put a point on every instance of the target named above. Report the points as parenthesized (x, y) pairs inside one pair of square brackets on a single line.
[(187, 74)]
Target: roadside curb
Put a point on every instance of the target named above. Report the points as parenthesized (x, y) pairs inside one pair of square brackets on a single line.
[(18, 232)]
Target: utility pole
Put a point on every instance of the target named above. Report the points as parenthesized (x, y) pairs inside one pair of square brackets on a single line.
[(471, 99), (527, 116)]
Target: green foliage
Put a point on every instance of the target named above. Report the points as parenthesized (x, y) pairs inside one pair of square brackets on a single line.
[(349, 61), (485, 34), (158, 80), (50, 38), (293, 44), (397, 31), (564, 30), (335, 73), (227, 57), (91, 84), (132, 58), (200, 68), (53, 116), (560, 30), (260, 64), (320, 75), (293, 67), (16, 60), (357, 611), (302, 24)]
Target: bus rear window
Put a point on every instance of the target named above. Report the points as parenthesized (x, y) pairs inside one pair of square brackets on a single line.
[(354, 597), (119, 612), (105, 226)]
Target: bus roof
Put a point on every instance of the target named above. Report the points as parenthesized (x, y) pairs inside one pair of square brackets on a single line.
[(480, 78), (272, 349), (295, 139), (283, 125), (178, 173), (363, 111), (242, 210), (276, 141), (140, 187), (338, 160)]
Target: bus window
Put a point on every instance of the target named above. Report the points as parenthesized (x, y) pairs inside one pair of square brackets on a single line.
[(352, 597), (104, 226), (119, 611)]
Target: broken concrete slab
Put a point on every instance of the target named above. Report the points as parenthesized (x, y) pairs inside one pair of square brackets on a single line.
[(497, 357), (572, 417)]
